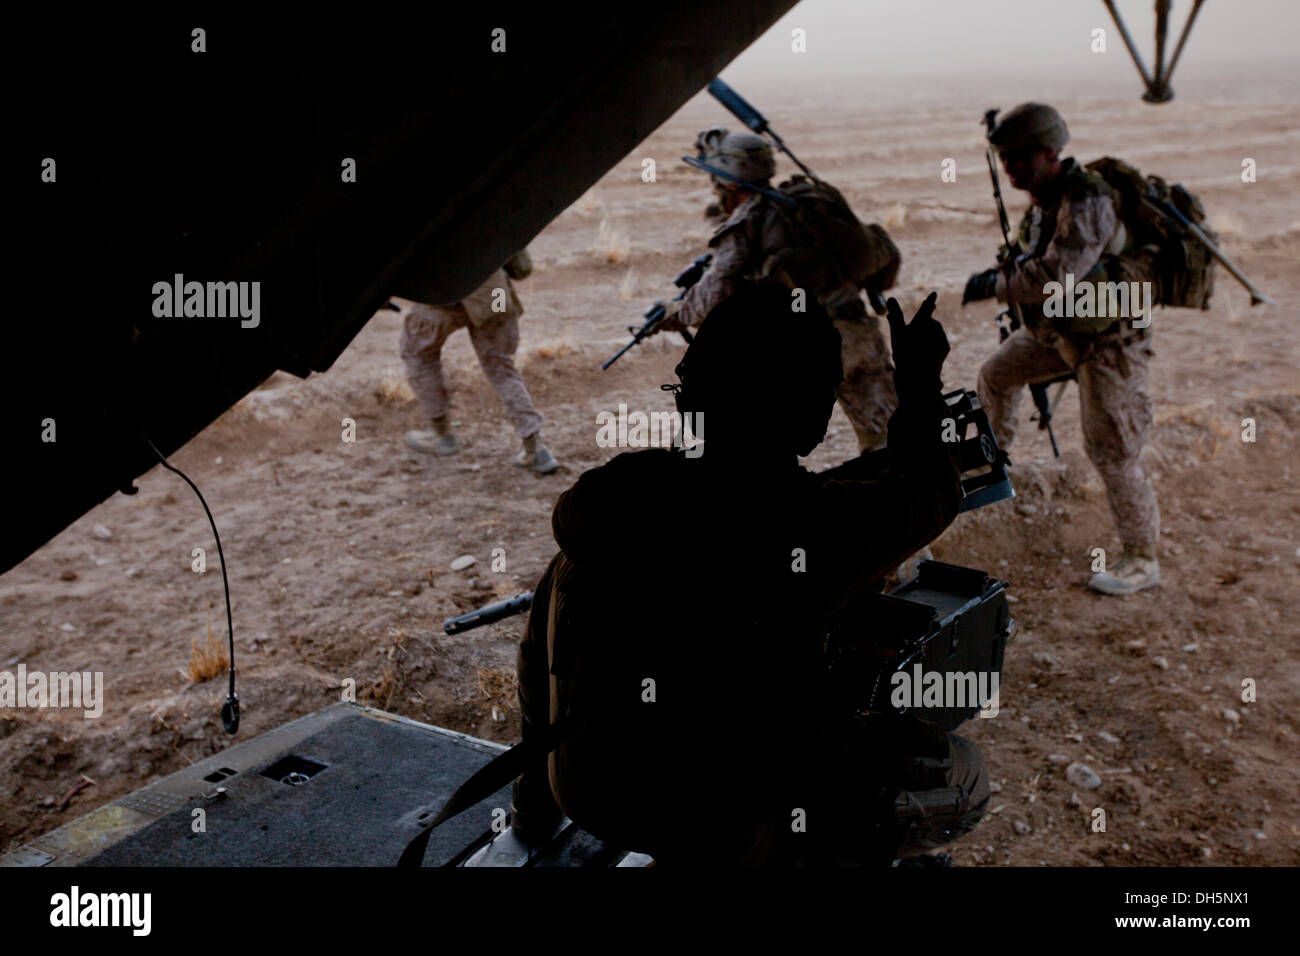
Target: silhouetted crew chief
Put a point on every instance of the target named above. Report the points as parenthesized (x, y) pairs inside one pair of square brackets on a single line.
[(676, 632)]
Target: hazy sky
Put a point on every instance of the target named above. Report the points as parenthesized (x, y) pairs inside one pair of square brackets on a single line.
[(914, 36)]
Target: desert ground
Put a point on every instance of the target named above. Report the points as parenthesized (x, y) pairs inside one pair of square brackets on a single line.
[(339, 553)]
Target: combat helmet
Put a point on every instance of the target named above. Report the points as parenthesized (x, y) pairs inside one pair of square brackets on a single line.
[(743, 155), (1028, 125)]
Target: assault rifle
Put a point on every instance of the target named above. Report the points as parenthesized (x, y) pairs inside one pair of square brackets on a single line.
[(1010, 253), (654, 316)]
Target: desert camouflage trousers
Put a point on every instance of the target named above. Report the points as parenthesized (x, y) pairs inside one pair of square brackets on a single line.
[(867, 393), (1116, 413), (426, 329)]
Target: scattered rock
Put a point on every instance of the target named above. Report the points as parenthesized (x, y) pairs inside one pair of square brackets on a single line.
[(1058, 758), (995, 787), (1191, 647), (66, 627), (1074, 800), (1231, 716), (463, 562), (1161, 662), (68, 575), (1081, 775), (1107, 737), (132, 572), (1021, 827), (100, 532)]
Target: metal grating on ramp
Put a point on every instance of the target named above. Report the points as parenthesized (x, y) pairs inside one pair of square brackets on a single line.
[(362, 784)]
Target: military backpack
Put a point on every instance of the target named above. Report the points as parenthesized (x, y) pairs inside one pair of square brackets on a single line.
[(861, 256), (1184, 267)]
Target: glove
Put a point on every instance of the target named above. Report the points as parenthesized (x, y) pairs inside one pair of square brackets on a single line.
[(980, 286), (671, 321), (919, 352), (920, 348)]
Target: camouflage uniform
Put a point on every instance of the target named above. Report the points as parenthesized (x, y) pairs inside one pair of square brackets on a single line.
[(495, 336), (1077, 230), (747, 246)]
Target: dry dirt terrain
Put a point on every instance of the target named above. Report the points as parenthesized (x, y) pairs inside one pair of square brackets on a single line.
[(339, 553)]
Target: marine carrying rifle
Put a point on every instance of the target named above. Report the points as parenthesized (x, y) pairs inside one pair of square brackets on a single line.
[(1011, 253), (654, 316), (756, 121)]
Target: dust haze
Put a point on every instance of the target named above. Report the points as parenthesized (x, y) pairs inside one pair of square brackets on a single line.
[(339, 553)]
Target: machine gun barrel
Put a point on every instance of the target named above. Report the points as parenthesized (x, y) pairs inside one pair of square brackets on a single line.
[(489, 614)]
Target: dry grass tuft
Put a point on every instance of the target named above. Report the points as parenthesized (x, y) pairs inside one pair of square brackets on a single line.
[(552, 350), (393, 389), (380, 693), (1227, 223), (499, 688), (543, 353), (589, 201), (627, 288), (896, 216), (611, 245), (207, 660)]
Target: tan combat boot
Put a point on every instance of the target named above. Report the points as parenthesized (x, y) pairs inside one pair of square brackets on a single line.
[(1132, 573), (536, 456), (438, 441)]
